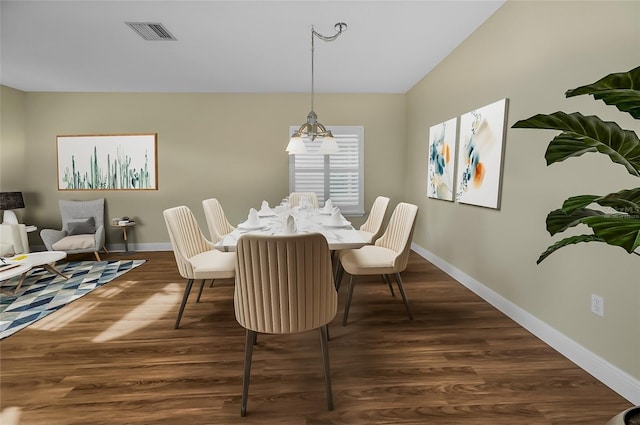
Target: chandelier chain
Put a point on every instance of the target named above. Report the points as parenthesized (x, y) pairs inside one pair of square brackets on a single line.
[(340, 27), (312, 129)]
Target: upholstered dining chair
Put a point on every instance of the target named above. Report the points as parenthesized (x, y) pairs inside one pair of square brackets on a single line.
[(217, 221), (284, 285), (389, 255), (372, 228), (82, 228), (196, 257), (296, 197)]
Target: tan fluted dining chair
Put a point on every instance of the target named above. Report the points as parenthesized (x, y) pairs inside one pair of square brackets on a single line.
[(295, 197), (196, 257), (217, 221), (284, 285), (389, 255), (372, 228)]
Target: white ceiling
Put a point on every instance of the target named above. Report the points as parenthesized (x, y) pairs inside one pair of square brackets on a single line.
[(259, 46)]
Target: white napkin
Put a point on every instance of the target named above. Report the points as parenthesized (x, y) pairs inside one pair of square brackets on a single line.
[(336, 218), (253, 219), (289, 224), (328, 205), (265, 207)]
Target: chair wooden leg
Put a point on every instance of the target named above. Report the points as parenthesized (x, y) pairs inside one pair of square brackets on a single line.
[(324, 343), (250, 339), (404, 295), (387, 280), (348, 304), (184, 301), (200, 291), (95, 253)]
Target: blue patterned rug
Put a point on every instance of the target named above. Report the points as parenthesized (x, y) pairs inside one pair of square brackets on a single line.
[(42, 292)]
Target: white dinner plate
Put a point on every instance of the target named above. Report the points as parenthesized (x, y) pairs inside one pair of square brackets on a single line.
[(344, 225), (244, 226)]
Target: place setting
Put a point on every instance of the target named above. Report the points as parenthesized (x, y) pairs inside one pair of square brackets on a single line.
[(283, 219), (253, 222)]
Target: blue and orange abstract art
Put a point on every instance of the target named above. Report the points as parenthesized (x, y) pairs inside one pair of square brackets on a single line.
[(480, 147), (441, 172)]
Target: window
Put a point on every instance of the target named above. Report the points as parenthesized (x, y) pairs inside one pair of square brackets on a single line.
[(339, 176)]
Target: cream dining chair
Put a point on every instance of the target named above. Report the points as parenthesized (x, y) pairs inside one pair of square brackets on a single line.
[(196, 257), (295, 197), (284, 285), (389, 255), (217, 221), (372, 228)]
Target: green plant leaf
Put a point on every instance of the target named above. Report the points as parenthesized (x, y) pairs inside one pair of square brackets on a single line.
[(625, 201), (581, 134), (567, 241), (578, 202), (621, 90), (560, 220), (619, 230)]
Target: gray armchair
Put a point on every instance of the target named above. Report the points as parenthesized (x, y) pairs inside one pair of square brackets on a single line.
[(82, 228)]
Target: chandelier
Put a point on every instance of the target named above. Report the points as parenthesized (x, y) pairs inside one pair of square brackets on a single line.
[(312, 129)]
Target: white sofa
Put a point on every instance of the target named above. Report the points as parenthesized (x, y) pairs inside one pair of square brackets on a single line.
[(13, 239)]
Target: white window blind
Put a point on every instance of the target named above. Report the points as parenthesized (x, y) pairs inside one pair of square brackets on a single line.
[(338, 176)]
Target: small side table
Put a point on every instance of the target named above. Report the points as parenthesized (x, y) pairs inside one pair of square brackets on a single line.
[(124, 232)]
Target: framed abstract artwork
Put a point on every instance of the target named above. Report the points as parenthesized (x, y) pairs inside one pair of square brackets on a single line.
[(480, 146), (442, 148), (108, 162)]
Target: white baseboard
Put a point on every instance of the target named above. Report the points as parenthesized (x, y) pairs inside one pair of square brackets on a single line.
[(141, 247), (119, 247), (616, 379)]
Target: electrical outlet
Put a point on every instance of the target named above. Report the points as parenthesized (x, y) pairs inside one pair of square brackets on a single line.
[(597, 305)]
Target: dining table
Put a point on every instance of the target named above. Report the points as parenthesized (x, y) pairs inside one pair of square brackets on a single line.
[(338, 231)]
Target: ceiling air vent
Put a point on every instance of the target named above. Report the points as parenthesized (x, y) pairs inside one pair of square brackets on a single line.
[(151, 30)]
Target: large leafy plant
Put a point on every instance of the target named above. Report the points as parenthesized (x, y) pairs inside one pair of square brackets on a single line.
[(613, 218)]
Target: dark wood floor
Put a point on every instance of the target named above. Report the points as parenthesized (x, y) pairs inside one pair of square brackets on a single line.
[(113, 357)]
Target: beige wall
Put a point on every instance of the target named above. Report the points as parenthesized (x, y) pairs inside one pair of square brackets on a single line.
[(229, 146), (531, 53), (12, 143)]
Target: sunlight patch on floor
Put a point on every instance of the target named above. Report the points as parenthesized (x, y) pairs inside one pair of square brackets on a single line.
[(10, 415), (154, 308), (112, 291), (64, 316)]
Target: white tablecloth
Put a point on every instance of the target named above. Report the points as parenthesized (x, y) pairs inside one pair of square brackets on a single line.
[(343, 237)]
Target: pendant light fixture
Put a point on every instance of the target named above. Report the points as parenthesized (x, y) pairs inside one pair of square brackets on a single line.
[(312, 129)]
